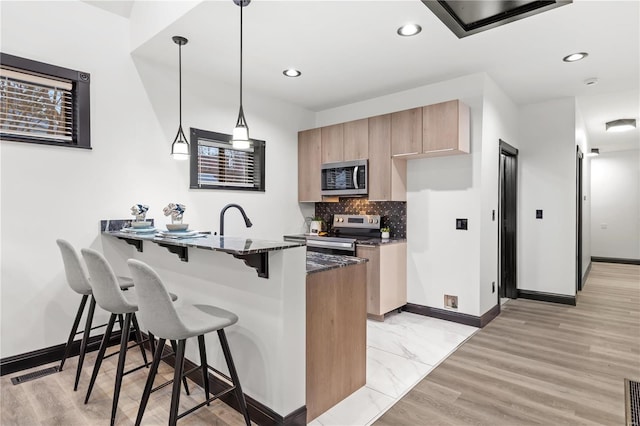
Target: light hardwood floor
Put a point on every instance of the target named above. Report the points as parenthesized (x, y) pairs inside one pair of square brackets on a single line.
[(540, 363), (50, 400)]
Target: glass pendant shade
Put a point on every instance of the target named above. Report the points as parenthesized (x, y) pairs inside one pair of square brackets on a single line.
[(180, 149)]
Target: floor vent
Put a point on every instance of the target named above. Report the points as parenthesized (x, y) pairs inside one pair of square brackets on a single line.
[(632, 402), (35, 375)]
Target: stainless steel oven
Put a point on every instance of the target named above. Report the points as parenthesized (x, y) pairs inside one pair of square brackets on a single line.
[(345, 178), (332, 245)]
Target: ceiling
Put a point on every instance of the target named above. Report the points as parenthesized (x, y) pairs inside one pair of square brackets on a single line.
[(349, 51)]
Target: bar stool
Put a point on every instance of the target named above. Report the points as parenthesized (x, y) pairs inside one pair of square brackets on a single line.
[(165, 321), (109, 297), (79, 282)]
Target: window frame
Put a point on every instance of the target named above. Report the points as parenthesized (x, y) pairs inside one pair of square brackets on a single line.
[(81, 101), (259, 159)]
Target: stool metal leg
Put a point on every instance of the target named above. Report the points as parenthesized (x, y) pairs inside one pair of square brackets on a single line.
[(152, 343), (74, 329), (184, 379), (157, 355), (138, 336), (175, 395), (121, 359), (204, 366), (234, 375), (101, 351), (85, 339)]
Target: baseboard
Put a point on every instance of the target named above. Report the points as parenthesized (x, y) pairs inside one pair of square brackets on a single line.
[(453, 316), (260, 414), (586, 275), (13, 364), (547, 297), (615, 260)]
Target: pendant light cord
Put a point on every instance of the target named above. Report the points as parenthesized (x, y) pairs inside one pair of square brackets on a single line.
[(241, 7), (180, 80)]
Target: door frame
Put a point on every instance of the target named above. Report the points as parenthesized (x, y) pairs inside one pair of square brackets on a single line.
[(579, 171), (512, 290)]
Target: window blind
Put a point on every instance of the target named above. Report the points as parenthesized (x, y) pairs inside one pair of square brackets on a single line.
[(221, 165), (35, 106)]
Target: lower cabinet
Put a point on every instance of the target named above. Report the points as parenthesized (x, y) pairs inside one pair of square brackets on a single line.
[(336, 336), (386, 277)]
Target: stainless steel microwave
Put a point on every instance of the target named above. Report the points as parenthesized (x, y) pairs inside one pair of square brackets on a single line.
[(345, 178)]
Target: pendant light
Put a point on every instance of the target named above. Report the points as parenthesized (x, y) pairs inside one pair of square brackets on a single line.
[(240, 138), (180, 146)]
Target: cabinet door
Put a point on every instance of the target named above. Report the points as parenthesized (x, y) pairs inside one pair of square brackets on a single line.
[(356, 140), (406, 132), (380, 158), (332, 141), (393, 276), (309, 166), (445, 128)]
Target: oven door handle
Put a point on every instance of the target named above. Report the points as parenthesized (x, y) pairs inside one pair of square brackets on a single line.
[(331, 244)]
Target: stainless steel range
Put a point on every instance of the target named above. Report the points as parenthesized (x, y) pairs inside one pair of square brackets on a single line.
[(346, 230)]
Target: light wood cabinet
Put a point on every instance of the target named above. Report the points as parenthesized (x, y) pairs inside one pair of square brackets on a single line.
[(309, 152), (332, 143), (445, 129), (386, 277), (387, 177), (336, 342), (406, 133), (356, 140)]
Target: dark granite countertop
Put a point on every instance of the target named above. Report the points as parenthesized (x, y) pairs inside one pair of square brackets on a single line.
[(380, 241), (319, 262)]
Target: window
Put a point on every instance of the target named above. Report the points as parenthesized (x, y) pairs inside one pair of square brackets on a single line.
[(43, 103), (215, 164)]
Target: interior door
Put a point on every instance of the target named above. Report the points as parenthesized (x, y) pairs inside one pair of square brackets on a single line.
[(508, 220), (579, 157)]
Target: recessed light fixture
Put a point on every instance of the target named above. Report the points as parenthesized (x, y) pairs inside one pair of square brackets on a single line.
[(575, 57), (408, 30), (594, 152), (591, 81), (621, 125), (292, 72)]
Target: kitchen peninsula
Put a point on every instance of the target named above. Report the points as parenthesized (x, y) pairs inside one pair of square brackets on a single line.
[(298, 314)]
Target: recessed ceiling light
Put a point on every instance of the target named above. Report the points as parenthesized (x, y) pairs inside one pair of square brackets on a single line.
[(575, 57), (591, 81), (621, 125), (292, 72), (408, 30)]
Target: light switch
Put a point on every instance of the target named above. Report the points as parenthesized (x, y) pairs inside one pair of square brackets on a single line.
[(538, 214), (461, 224)]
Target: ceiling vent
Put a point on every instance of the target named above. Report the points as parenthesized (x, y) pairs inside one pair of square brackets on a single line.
[(466, 17)]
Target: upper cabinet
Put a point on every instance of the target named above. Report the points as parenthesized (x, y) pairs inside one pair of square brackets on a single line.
[(387, 176), (445, 129), (309, 152), (356, 140), (406, 133), (332, 143)]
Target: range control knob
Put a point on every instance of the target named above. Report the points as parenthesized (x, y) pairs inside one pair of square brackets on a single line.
[(370, 220), (375, 221)]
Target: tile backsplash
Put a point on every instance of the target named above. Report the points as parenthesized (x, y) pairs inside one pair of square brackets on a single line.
[(393, 213)]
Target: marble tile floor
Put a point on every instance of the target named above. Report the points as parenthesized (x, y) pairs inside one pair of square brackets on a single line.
[(401, 351)]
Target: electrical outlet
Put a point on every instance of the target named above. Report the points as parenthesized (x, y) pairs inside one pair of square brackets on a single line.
[(450, 302), (493, 286), (538, 214)]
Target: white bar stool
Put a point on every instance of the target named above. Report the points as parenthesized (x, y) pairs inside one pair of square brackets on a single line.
[(79, 282), (165, 321), (109, 297)]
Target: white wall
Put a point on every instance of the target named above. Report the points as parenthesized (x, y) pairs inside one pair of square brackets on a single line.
[(615, 205), (499, 122), (53, 192), (547, 181)]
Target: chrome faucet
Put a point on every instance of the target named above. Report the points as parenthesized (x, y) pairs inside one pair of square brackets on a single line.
[(247, 222)]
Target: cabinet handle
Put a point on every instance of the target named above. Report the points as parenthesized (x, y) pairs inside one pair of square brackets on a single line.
[(406, 154), (440, 150)]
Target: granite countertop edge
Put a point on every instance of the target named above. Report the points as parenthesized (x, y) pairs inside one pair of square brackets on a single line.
[(321, 262)]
